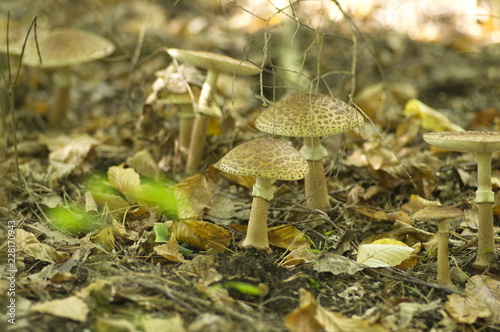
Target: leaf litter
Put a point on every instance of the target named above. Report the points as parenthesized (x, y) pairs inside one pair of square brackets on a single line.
[(89, 253)]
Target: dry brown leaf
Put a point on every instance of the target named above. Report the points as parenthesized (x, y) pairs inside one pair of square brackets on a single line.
[(143, 162), (170, 250), (71, 151), (377, 215), (312, 317), (406, 131), (193, 197), (299, 255), (336, 264), (286, 237), (28, 244), (201, 234), (409, 235), (105, 238), (71, 307), (481, 299), (214, 174), (126, 180)]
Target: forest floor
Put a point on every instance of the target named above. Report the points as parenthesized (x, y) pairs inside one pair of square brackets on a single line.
[(92, 256)]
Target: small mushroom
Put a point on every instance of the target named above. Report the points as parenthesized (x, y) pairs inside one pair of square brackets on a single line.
[(214, 64), (442, 215), (310, 116), (266, 159), (179, 86), (61, 49), (483, 143)]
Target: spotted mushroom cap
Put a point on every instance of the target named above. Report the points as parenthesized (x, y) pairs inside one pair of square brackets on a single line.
[(214, 61), (308, 115), (465, 141), (67, 47), (265, 157)]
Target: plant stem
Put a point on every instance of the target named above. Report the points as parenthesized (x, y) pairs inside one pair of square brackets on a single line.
[(62, 80)]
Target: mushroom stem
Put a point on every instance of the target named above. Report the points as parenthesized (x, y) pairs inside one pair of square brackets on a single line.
[(485, 198), (257, 224), (443, 268), (315, 181), (186, 119), (62, 81), (202, 118)]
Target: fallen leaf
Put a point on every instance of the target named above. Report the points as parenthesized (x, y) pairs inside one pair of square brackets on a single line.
[(431, 118), (201, 234), (105, 238), (481, 300), (286, 237), (193, 197), (336, 264), (312, 317), (144, 164), (71, 307), (383, 255), (126, 180), (170, 250), (29, 245)]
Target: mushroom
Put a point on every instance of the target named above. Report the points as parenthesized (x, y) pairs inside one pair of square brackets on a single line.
[(483, 143), (180, 86), (214, 64), (61, 49), (310, 116), (266, 159), (442, 215)]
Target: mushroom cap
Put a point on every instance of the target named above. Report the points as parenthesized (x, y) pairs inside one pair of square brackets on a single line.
[(437, 213), (66, 47), (465, 141), (17, 34), (308, 115), (214, 61), (265, 157)]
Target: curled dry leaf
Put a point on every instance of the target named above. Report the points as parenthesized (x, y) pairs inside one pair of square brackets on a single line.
[(170, 250), (193, 197), (143, 162), (28, 244), (310, 316), (126, 180), (481, 300), (201, 234)]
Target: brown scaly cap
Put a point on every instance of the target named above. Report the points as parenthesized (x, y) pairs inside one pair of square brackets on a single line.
[(308, 115), (265, 157), (66, 47), (214, 61), (465, 141)]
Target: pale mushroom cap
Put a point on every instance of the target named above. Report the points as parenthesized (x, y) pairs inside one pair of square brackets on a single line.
[(437, 213), (308, 115), (17, 34), (67, 47), (265, 157), (465, 141), (214, 61)]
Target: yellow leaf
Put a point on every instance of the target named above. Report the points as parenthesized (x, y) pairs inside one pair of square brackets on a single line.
[(202, 234), (105, 238), (193, 196), (431, 119), (287, 237), (383, 255)]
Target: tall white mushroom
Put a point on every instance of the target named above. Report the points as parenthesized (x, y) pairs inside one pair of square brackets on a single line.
[(214, 64), (310, 116), (266, 159), (484, 143), (60, 49)]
